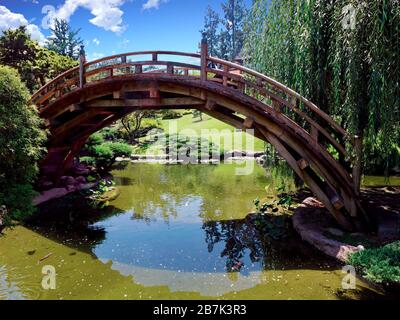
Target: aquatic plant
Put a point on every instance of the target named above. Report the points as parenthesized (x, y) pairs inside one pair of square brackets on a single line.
[(102, 194)]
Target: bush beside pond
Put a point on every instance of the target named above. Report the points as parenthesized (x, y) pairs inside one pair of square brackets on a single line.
[(101, 153), (21, 145), (380, 265)]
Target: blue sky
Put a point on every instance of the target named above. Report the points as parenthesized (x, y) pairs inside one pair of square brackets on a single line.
[(115, 26)]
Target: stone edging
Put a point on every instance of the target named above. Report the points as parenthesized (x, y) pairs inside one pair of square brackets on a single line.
[(312, 223), (57, 193)]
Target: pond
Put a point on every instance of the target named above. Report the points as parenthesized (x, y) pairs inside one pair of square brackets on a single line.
[(175, 232)]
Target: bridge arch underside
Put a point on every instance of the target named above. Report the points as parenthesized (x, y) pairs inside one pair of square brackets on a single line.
[(78, 114)]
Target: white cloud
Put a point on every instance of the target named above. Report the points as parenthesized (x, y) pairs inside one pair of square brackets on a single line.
[(107, 13), (11, 20), (95, 55), (153, 4), (96, 41)]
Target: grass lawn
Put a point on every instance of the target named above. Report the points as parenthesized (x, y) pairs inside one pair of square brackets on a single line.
[(190, 127)]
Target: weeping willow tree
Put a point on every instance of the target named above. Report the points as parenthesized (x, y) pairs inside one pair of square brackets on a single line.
[(344, 55)]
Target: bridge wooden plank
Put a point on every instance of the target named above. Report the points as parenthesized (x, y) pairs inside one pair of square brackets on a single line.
[(303, 164), (74, 122), (210, 105), (301, 113), (248, 123)]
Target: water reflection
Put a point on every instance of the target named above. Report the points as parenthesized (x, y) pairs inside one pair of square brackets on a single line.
[(174, 232), (9, 289)]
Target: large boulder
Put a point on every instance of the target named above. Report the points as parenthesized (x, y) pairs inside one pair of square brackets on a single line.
[(80, 170)]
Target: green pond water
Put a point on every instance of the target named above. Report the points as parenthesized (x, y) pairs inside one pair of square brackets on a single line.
[(175, 232)]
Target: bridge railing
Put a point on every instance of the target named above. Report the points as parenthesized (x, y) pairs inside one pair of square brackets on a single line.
[(282, 100), (128, 64)]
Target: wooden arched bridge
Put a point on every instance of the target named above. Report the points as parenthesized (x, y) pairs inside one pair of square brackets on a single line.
[(87, 98)]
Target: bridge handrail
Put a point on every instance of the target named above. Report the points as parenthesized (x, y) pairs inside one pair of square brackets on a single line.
[(47, 85), (140, 53), (69, 72)]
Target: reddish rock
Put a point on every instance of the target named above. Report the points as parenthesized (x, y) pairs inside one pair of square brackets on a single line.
[(80, 170), (71, 188), (81, 180), (68, 181), (312, 202)]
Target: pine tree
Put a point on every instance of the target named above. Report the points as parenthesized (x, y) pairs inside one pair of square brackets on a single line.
[(64, 40), (233, 21), (210, 31)]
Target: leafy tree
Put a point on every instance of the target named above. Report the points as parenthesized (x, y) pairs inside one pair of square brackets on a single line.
[(353, 73), (35, 64), (64, 40), (132, 124), (16, 51), (210, 30), (21, 145), (16, 47)]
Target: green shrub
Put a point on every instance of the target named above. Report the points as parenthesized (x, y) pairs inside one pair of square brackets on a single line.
[(18, 201), (381, 265), (119, 149), (35, 64), (151, 123), (170, 115), (21, 145), (103, 154), (110, 134), (95, 139), (89, 161), (194, 147)]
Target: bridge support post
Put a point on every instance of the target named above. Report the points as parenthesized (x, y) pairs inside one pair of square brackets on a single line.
[(357, 167), (82, 62), (204, 58)]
